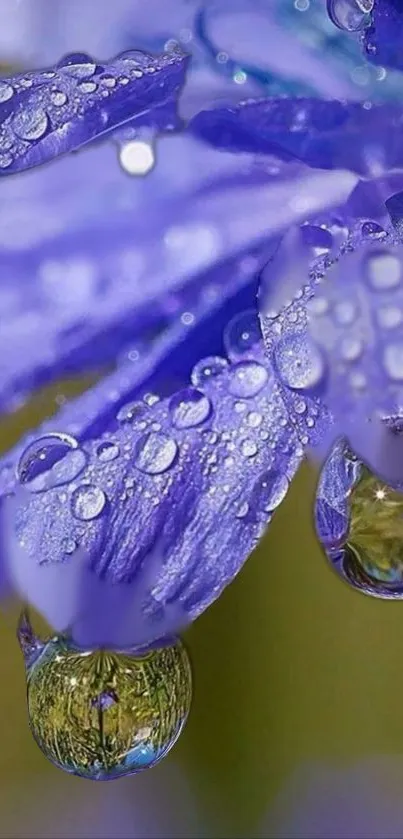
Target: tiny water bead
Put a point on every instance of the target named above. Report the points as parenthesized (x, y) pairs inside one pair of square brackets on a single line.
[(87, 502), (103, 714), (30, 124), (299, 362), (207, 369), (189, 408), (242, 335), (359, 522), (155, 453), (350, 15), (50, 461)]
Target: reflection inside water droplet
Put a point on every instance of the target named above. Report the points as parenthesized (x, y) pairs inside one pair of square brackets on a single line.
[(155, 453), (189, 408), (50, 461), (102, 714)]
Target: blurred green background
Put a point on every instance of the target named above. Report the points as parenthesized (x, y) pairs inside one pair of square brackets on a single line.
[(290, 667)]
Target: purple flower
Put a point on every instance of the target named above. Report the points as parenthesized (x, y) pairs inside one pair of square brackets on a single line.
[(126, 515)]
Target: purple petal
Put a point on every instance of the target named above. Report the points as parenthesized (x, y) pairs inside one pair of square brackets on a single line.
[(50, 112), (137, 258), (365, 138), (383, 40), (138, 545)]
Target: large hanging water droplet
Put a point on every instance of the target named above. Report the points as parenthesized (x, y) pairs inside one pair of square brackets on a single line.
[(207, 369), (242, 335), (50, 461), (359, 521), (87, 502), (79, 64), (299, 362), (30, 124), (102, 714), (383, 270), (189, 407), (350, 15), (247, 379), (155, 453)]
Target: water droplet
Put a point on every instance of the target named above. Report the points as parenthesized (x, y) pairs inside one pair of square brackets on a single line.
[(345, 312), (242, 510), (5, 160), (108, 81), (350, 15), (389, 317), (151, 399), (108, 451), (351, 348), (6, 92), (155, 453), (139, 59), (91, 714), (300, 406), (69, 545), (129, 412), (393, 361), (372, 230), (242, 335), (383, 270), (299, 362), (50, 461), (359, 521), (249, 448), (80, 65), (30, 124), (58, 98), (87, 87), (270, 491), (254, 419), (189, 407), (207, 369), (87, 502), (248, 378)]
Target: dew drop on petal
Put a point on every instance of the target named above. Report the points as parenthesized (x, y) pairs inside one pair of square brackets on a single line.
[(299, 362), (58, 98), (383, 270), (91, 714), (87, 502), (393, 361), (30, 124), (6, 92), (207, 369), (129, 412), (80, 65), (155, 453), (108, 451), (270, 491), (249, 448), (247, 379), (189, 408), (372, 230), (350, 15), (242, 334), (50, 461)]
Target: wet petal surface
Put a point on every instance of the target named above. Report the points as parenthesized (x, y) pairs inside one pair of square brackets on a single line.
[(48, 112)]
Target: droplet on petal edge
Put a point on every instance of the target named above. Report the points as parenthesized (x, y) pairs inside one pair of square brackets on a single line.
[(70, 105), (103, 714), (359, 523), (170, 485)]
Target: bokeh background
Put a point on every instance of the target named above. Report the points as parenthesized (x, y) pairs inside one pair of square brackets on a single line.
[(297, 722)]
